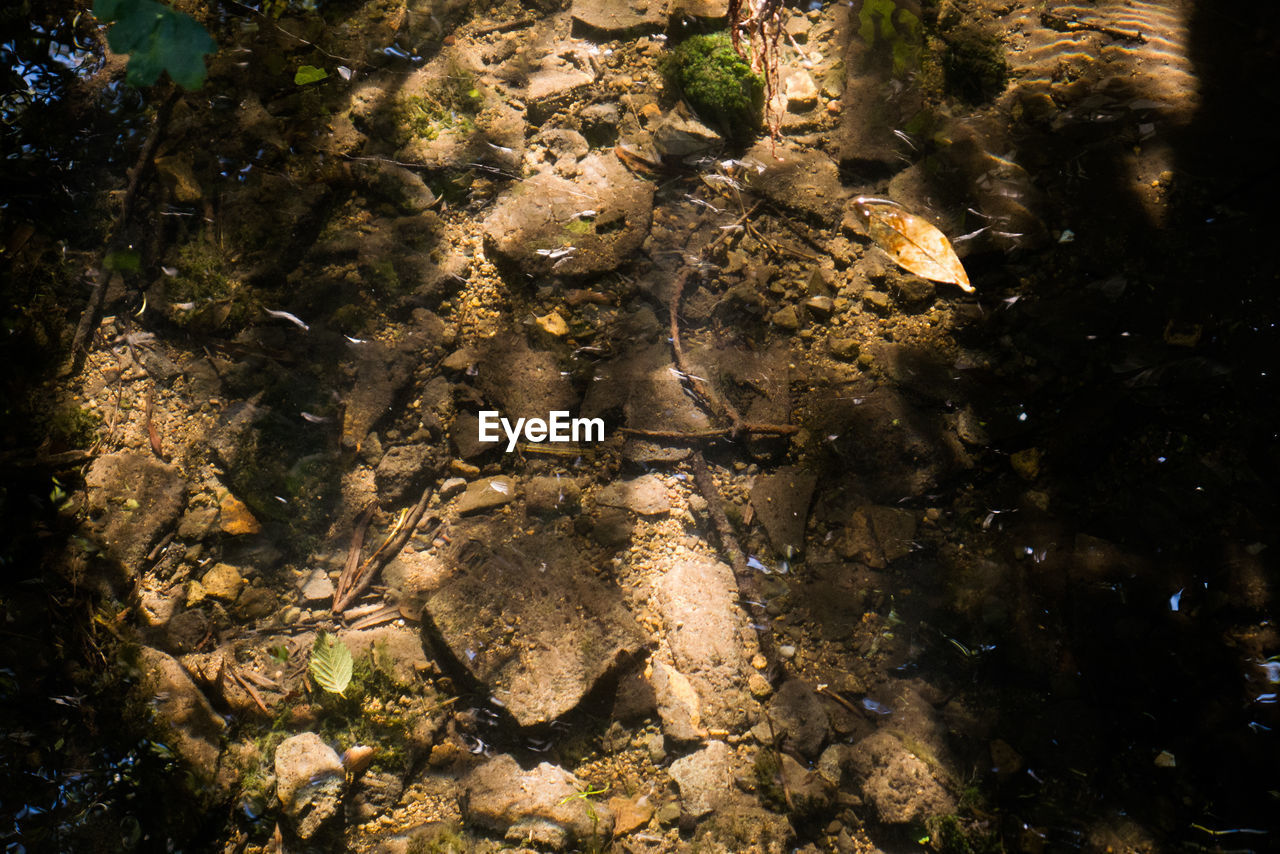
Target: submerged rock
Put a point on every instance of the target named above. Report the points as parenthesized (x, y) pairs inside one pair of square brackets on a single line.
[(644, 387), (618, 18), (645, 495), (531, 622), (877, 536), (310, 782), (522, 382), (180, 708), (803, 181), (543, 806), (132, 500), (486, 494), (897, 782), (695, 599), (589, 225), (781, 502), (705, 778), (800, 718)]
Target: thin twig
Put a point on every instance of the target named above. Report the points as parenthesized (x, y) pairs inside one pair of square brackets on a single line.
[(253, 692), (368, 571), (93, 308), (350, 569)]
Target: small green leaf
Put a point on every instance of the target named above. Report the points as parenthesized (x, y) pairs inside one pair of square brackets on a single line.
[(331, 664), (309, 74), (157, 38)]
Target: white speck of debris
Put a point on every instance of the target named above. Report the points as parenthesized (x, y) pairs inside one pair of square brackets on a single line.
[(292, 318)]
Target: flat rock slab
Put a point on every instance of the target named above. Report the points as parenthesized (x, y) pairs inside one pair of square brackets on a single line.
[(799, 180), (645, 495), (548, 225), (132, 500), (181, 709), (643, 385), (531, 622), (542, 805), (522, 382), (707, 635), (619, 18), (781, 503), (486, 494)]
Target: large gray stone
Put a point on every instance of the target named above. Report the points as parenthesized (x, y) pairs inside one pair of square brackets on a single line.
[(531, 622), (133, 499), (310, 782), (542, 806), (548, 225), (180, 708)]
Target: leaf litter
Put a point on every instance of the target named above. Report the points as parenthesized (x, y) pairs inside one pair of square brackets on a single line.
[(911, 241)]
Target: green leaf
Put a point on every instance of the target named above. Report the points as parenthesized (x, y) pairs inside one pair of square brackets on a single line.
[(309, 74), (331, 664), (157, 38)]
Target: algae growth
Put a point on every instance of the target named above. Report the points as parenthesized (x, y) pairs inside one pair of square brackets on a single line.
[(717, 82)]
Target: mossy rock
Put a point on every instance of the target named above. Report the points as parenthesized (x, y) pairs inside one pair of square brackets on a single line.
[(718, 83)]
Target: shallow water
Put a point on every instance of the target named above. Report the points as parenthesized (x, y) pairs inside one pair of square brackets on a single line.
[(1040, 541)]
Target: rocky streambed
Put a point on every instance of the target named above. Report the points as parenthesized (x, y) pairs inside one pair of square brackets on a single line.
[(818, 586)]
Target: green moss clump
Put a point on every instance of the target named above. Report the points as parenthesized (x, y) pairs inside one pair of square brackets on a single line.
[(768, 773), (426, 117), (70, 426), (445, 838), (451, 105), (205, 295), (717, 83)]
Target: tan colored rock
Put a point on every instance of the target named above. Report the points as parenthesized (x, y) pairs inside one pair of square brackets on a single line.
[(180, 708), (222, 582), (310, 782), (544, 805)]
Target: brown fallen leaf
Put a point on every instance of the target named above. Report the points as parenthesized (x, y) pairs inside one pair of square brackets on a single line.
[(911, 241)]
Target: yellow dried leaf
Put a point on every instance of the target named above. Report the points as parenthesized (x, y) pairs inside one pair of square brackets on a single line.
[(913, 243)]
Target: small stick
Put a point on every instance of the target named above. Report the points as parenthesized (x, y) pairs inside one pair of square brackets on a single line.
[(352, 566), (364, 576), (89, 317), (253, 692), (152, 435)]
